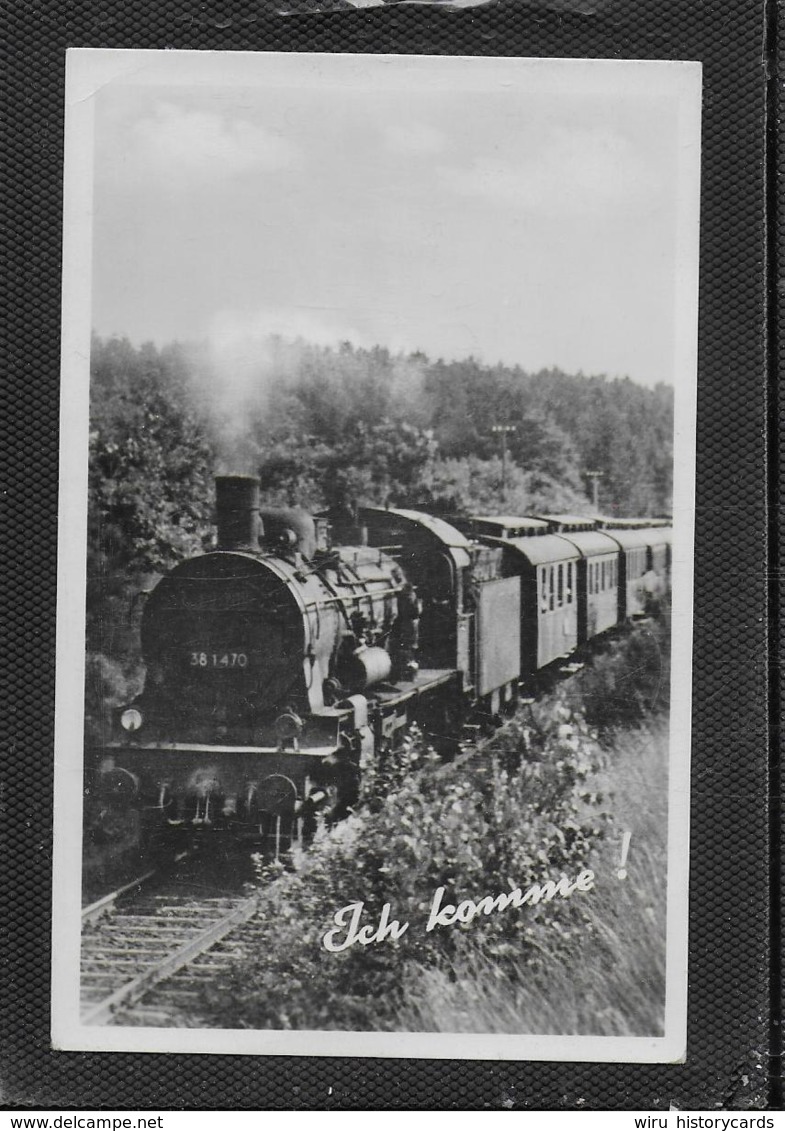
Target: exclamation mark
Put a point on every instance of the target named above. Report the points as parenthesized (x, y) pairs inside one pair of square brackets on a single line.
[(625, 848)]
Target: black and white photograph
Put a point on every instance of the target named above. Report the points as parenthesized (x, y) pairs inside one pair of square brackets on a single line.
[(376, 555)]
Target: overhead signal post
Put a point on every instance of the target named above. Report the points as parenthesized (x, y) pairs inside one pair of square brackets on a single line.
[(503, 431), (595, 477)]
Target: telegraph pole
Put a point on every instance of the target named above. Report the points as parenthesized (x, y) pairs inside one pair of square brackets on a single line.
[(503, 431), (595, 477)]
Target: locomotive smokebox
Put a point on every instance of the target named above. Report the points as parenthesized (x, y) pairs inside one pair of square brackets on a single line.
[(237, 512)]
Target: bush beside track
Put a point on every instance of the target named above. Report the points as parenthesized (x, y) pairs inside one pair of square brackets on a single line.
[(552, 793)]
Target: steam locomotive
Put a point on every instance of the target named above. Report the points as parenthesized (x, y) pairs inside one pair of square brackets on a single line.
[(282, 664)]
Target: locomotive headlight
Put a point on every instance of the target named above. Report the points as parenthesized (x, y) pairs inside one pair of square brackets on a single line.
[(131, 719)]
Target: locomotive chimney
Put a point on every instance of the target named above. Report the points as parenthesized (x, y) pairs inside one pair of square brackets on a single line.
[(237, 512)]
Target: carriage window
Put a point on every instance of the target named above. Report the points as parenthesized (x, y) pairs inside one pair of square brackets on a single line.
[(561, 585), (544, 589), (569, 583), (550, 599)]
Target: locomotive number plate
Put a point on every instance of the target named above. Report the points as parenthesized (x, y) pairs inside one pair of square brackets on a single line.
[(218, 660)]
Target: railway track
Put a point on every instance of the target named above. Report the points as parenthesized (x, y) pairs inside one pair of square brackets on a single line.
[(148, 949), (142, 935)]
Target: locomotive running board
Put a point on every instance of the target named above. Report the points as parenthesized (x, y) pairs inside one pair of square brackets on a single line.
[(205, 748), (425, 680)]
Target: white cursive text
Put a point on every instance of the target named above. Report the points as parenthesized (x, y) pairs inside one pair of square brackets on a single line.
[(349, 928)]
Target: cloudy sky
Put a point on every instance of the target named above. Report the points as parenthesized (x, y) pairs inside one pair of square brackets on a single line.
[(522, 211)]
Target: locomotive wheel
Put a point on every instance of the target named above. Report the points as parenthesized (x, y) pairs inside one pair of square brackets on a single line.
[(270, 815), (510, 707), (274, 834), (277, 834), (343, 790), (166, 807), (443, 725)]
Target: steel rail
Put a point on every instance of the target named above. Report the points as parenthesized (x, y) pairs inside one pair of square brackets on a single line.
[(130, 993), (95, 911)]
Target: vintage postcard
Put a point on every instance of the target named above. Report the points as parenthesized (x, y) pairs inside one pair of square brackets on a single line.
[(375, 576)]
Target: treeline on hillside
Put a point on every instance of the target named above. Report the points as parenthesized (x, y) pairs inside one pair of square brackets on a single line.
[(334, 426), (327, 426)]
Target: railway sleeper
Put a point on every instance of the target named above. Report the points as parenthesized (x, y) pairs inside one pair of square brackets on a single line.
[(220, 908), (169, 928), (199, 974), (141, 918), (98, 979), (110, 963), (122, 954), (210, 959)]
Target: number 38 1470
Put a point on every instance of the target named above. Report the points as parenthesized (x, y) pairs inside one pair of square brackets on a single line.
[(218, 660)]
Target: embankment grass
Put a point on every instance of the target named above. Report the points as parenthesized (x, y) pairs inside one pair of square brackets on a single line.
[(612, 981), (553, 796)]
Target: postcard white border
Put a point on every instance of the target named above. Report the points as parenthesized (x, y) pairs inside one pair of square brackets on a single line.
[(87, 71)]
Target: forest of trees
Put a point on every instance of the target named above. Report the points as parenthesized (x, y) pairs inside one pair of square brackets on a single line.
[(344, 425), (326, 426)]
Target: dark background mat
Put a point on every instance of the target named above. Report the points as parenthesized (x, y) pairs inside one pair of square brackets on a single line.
[(730, 977), (776, 262)]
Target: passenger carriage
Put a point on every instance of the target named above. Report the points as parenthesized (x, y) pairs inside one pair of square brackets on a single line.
[(598, 572), (658, 544), (633, 566), (598, 581), (502, 526), (547, 566)]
